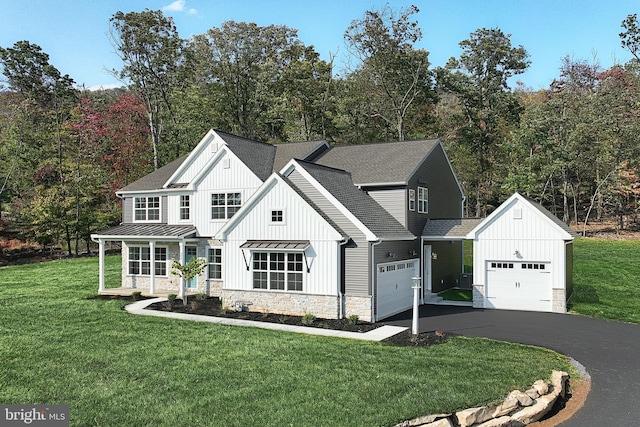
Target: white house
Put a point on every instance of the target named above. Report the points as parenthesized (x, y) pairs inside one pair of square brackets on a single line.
[(301, 228)]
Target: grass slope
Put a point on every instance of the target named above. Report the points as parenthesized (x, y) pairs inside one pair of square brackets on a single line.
[(606, 277), (57, 345)]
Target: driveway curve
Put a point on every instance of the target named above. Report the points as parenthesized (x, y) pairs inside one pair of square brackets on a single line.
[(610, 351)]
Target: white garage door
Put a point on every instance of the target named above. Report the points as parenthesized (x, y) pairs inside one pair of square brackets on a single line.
[(395, 293), (518, 285)]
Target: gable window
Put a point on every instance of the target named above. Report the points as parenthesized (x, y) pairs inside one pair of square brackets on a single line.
[(146, 208), (278, 271), (139, 260), (215, 263), (185, 208), (225, 205), (423, 200), (277, 216), (412, 200)]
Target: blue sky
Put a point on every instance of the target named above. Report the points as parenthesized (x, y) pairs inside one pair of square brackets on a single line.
[(75, 32)]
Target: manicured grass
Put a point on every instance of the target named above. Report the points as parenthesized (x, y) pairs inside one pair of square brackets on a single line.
[(606, 277), (58, 345), (464, 295)]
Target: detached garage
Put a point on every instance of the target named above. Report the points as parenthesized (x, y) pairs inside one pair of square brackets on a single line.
[(523, 258)]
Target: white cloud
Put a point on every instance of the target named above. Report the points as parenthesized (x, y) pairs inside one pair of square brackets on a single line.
[(104, 86), (179, 6)]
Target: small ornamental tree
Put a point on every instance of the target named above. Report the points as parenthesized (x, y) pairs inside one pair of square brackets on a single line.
[(187, 271)]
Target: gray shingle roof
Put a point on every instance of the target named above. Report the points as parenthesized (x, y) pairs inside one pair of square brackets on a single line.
[(296, 150), (551, 216), (388, 162), (149, 230), (359, 203), (258, 156), (155, 180), (450, 228)]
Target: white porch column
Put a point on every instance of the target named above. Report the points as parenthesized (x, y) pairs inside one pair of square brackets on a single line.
[(152, 276), (182, 282), (101, 265)]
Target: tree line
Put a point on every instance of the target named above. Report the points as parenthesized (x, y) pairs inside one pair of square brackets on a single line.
[(65, 150)]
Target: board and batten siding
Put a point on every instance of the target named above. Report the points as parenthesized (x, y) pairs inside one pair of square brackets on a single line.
[(356, 253), (227, 175), (445, 198), (393, 200), (301, 222)]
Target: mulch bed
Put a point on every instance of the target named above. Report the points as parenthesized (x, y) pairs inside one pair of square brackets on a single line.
[(212, 307)]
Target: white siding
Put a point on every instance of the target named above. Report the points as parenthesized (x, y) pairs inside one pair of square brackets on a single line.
[(200, 158), (301, 222), (221, 179), (173, 208)]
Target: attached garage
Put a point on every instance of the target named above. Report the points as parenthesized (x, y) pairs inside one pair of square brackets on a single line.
[(395, 293), (522, 258)]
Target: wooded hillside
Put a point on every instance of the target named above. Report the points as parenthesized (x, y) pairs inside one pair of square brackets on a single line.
[(64, 151)]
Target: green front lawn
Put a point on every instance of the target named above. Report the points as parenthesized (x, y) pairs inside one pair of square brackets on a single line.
[(58, 345), (606, 277), (463, 295)]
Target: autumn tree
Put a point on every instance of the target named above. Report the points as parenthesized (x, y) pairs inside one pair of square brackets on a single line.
[(394, 77), (479, 78), (152, 52)]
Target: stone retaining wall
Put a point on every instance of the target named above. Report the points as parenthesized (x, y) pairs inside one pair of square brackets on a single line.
[(517, 410)]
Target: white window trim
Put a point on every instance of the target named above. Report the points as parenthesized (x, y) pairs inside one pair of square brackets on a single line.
[(284, 216), (152, 261), (412, 200), (188, 207), (286, 272), (146, 209), (226, 206), (209, 263), (425, 200)]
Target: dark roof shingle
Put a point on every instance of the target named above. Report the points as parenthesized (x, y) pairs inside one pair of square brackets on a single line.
[(450, 228), (379, 163), (364, 207)]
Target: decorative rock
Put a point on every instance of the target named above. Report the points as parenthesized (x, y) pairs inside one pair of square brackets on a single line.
[(471, 416), (532, 393), (444, 422), (522, 398), (509, 405), (423, 420), (541, 387), (559, 381), (537, 411), (505, 421)]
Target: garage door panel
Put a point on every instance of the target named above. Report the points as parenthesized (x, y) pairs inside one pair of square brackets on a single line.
[(519, 286), (394, 291)]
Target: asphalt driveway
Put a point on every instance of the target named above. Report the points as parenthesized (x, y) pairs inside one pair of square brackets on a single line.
[(610, 351)]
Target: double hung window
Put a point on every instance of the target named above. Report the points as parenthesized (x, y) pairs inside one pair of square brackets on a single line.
[(185, 208), (423, 200), (139, 260), (215, 263), (225, 205), (146, 209)]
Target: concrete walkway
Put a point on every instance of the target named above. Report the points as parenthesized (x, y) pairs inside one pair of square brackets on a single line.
[(379, 334)]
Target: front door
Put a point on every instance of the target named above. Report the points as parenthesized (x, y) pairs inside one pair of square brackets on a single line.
[(426, 276), (191, 252)]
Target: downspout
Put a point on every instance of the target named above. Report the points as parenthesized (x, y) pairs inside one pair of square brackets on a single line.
[(341, 297), (421, 272), (373, 276)]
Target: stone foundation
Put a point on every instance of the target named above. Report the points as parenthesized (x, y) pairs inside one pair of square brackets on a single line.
[(360, 306), (478, 296), (518, 409), (289, 303), (559, 301)]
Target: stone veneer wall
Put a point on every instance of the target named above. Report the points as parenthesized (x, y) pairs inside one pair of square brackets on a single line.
[(559, 300), (518, 409), (478, 296), (359, 306), (289, 303)]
